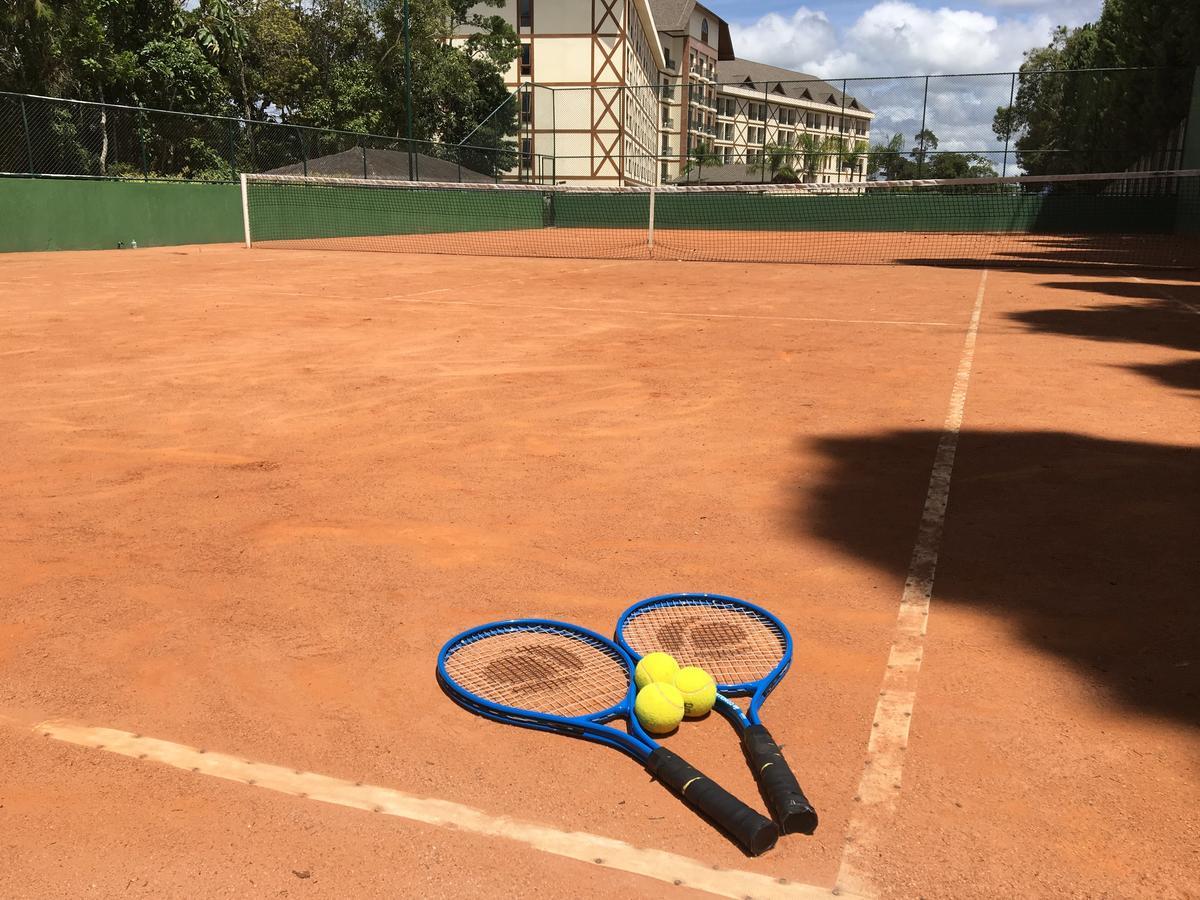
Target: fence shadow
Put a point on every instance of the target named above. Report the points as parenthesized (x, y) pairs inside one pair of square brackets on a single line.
[(1086, 546)]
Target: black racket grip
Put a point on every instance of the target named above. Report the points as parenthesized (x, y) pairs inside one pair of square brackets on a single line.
[(754, 833), (788, 804)]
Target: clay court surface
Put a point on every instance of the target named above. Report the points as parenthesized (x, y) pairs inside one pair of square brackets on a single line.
[(250, 493)]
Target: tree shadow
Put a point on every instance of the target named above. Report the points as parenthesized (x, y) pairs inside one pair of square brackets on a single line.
[(1158, 322), (1075, 254), (1134, 290), (1088, 546), (1183, 374)]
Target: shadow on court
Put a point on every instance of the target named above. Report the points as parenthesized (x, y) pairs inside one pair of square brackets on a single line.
[(1133, 290), (1184, 374), (1158, 322), (1087, 546)]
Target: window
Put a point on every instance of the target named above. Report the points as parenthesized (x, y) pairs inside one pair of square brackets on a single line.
[(666, 171), (704, 30), (526, 108), (526, 153), (524, 13), (527, 59)]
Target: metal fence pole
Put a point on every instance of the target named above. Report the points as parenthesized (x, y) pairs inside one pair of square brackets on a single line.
[(363, 147), (842, 141), (233, 166), (28, 141), (303, 151), (142, 143), (921, 140), (1012, 94), (765, 163)]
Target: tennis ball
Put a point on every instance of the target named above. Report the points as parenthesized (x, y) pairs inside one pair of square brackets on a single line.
[(655, 667), (659, 707), (698, 690)]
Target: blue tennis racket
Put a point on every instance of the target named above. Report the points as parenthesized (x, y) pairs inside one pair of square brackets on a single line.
[(747, 651), (553, 676)]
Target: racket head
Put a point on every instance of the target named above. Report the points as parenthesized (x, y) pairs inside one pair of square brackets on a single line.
[(745, 648), (546, 675)]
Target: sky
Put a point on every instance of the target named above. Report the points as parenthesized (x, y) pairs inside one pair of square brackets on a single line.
[(836, 39), (840, 39)]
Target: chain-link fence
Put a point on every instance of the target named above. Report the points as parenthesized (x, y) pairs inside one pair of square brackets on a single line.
[(926, 126), (692, 127), (49, 136)]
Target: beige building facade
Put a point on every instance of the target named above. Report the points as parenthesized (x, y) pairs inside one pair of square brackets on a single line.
[(642, 92)]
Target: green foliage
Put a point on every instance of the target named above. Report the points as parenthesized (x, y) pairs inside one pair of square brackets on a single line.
[(888, 160), (702, 156), (1073, 121), (326, 63)]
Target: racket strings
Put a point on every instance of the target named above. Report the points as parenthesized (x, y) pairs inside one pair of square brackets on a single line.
[(546, 671), (732, 643)]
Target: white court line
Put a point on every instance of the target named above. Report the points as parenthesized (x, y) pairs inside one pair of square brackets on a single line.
[(879, 788), (412, 298), (587, 848)]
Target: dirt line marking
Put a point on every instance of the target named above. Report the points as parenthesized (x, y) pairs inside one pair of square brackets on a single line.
[(586, 848), (879, 788)]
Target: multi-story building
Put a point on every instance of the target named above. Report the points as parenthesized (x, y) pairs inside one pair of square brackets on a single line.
[(641, 91)]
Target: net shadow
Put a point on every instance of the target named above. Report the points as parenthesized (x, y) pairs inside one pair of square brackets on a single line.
[(1086, 545)]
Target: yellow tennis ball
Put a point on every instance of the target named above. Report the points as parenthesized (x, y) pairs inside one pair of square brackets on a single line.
[(655, 667), (698, 690), (659, 707)]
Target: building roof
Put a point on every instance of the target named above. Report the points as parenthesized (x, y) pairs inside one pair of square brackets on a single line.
[(758, 76), (671, 15), (388, 164), (729, 173)]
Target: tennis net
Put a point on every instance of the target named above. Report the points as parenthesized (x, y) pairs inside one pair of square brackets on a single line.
[(1139, 219)]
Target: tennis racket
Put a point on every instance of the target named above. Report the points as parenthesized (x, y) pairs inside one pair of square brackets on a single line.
[(557, 677), (747, 651)]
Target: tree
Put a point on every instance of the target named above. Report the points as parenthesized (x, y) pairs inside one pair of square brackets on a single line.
[(778, 162), (960, 165), (700, 156), (886, 159), (926, 141), (1063, 120)]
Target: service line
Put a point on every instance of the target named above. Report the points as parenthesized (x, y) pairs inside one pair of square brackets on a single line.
[(587, 848)]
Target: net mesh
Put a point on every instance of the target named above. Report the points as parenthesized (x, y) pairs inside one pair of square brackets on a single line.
[(733, 643), (542, 669), (1128, 219)]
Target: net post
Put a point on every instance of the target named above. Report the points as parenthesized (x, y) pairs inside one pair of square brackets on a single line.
[(245, 212), (650, 231)]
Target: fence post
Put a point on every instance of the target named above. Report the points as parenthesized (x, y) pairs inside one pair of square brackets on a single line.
[(233, 166), (303, 151), (843, 142), (363, 147), (1012, 94), (28, 141), (142, 143), (1189, 208), (921, 140), (765, 163)]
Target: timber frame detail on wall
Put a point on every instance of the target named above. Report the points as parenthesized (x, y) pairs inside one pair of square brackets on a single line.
[(608, 77)]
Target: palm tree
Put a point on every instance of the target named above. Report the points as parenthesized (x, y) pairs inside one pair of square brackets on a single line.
[(700, 156), (778, 161), (813, 150)]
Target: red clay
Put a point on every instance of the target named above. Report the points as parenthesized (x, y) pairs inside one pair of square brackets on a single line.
[(250, 493)]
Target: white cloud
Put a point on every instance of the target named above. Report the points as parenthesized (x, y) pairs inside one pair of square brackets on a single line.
[(895, 37)]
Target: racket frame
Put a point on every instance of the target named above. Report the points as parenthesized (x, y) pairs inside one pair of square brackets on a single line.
[(795, 814)]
